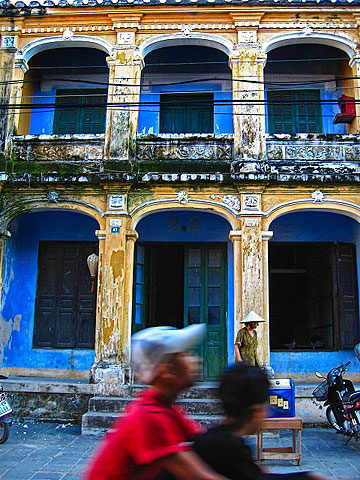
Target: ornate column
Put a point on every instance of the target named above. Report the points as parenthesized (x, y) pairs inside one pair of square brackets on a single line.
[(11, 93), (247, 65), (124, 93), (235, 237), (252, 292), (111, 369)]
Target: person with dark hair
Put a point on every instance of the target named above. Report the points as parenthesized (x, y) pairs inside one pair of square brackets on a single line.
[(243, 393)]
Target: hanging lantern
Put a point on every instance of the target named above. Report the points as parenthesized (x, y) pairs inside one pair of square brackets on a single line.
[(92, 263)]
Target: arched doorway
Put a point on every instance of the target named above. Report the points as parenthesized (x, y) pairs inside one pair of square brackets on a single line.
[(182, 275), (313, 279)]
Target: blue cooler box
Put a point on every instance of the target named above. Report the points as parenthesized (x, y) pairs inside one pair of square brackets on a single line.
[(281, 398)]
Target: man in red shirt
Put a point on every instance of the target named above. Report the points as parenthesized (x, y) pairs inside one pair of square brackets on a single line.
[(153, 436)]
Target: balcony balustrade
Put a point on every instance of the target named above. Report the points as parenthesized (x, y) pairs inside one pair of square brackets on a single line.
[(59, 148)]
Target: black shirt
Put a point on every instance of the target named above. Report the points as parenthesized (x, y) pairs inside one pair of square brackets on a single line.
[(228, 454)]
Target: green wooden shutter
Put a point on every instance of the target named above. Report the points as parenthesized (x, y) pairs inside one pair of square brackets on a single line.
[(308, 111), (66, 120), (93, 113), (294, 111), (187, 113), (281, 118), (86, 112)]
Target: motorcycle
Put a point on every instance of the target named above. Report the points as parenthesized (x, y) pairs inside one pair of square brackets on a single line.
[(341, 399), (5, 410)]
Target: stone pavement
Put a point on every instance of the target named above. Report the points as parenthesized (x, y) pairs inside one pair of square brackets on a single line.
[(48, 451)]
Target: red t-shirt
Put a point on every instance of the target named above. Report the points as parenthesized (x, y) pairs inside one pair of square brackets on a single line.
[(149, 431)]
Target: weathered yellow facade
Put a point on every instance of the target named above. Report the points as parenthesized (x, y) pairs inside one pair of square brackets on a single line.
[(249, 177)]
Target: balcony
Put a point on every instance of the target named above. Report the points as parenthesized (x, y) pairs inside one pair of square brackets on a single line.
[(59, 148), (189, 148), (317, 157)]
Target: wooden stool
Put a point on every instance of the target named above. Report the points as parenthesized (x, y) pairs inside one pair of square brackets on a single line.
[(280, 453)]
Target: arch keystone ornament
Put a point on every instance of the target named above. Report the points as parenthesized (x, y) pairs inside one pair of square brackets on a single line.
[(318, 196), (183, 197)]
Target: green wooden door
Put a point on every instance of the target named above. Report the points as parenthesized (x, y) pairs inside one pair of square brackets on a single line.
[(205, 302)]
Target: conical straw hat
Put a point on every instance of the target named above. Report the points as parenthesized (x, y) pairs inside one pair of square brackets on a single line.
[(252, 317)]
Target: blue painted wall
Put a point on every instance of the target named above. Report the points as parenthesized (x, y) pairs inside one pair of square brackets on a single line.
[(149, 116), (42, 120), (315, 227), (19, 289), (180, 226)]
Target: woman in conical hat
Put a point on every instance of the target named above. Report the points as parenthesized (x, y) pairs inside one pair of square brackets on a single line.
[(246, 342)]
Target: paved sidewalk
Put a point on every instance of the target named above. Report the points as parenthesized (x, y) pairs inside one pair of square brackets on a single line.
[(45, 451)]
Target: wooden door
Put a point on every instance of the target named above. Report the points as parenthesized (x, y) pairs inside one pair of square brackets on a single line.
[(64, 306), (205, 302)]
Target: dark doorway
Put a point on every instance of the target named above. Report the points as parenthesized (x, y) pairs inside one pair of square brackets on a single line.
[(313, 296), (166, 285), (182, 284)]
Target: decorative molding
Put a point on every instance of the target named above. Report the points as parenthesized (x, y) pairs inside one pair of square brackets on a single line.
[(67, 34), (183, 197), (247, 36), (235, 235), (8, 41), (251, 202), (307, 202), (316, 150), (9, 213), (52, 196), (266, 236), (117, 202), (232, 201), (125, 38), (318, 196), (101, 234), (251, 222), (185, 148)]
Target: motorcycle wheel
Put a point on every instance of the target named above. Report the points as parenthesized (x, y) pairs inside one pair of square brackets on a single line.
[(332, 420), (4, 431)]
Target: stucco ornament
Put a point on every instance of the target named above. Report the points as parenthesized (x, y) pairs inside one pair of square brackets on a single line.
[(183, 197), (67, 35), (52, 196), (318, 196), (232, 201), (186, 30), (308, 31)]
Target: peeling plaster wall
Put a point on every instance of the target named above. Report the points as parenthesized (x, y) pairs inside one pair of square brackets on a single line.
[(315, 227), (19, 289), (198, 227)]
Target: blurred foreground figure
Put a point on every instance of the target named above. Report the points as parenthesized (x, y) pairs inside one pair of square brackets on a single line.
[(243, 392), (152, 437)]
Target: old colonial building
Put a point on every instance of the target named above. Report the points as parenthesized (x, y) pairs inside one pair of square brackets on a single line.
[(207, 152)]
